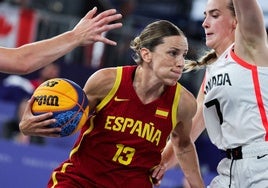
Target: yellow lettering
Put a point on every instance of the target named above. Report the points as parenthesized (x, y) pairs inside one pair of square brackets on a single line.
[(118, 123), (108, 122), (143, 130), (137, 128), (128, 123), (156, 137), (148, 131)]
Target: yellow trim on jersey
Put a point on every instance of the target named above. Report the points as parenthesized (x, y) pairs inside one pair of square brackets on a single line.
[(63, 169), (90, 128), (74, 150), (113, 90), (175, 105), (54, 179)]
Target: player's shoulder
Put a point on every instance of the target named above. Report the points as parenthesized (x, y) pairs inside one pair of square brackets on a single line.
[(99, 84), (102, 80), (105, 75), (109, 71), (188, 103)]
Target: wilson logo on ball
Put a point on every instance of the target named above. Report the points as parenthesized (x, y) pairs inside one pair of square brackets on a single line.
[(49, 100), (66, 100)]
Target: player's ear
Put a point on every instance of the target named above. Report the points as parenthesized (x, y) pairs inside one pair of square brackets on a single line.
[(234, 24), (146, 54)]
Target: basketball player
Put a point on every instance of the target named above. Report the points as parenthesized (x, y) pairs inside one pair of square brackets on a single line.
[(233, 100), (135, 110), (30, 57)]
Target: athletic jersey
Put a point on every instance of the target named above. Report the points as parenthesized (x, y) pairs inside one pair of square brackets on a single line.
[(123, 140), (236, 101)]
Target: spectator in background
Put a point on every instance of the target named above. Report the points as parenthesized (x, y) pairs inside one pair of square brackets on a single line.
[(121, 54), (48, 72), (11, 128), (14, 88)]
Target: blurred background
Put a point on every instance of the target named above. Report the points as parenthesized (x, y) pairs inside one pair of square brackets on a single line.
[(31, 160)]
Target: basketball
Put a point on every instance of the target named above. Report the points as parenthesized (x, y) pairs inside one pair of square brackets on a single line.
[(66, 100)]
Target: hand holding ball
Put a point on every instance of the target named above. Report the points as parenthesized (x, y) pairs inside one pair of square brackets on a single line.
[(66, 100)]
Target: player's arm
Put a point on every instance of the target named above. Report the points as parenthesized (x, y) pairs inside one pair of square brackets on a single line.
[(250, 33), (198, 125), (99, 85), (169, 159), (183, 145), (251, 27), (180, 149), (33, 56)]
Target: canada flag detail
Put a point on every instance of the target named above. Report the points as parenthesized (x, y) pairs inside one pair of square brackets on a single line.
[(17, 25)]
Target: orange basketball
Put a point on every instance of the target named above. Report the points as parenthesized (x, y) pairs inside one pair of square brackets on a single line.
[(66, 100)]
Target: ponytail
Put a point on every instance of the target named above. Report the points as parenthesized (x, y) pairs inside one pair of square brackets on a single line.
[(208, 58)]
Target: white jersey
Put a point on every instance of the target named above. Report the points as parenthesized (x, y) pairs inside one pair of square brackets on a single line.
[(236, 102)]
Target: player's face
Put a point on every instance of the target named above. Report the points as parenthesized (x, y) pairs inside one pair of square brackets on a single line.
[(219, 24), (168, 59)]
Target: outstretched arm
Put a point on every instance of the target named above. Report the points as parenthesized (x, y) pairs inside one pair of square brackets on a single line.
[(250, 21), (30, 57), (250, 34)]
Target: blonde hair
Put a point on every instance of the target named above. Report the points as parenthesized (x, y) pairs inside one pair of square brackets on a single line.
[(152, 35), (208, 58)]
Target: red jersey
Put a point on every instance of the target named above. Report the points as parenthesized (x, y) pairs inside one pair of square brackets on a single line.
[(122, 141)]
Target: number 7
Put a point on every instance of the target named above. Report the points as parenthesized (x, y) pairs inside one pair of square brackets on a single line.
[(218, 109)]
